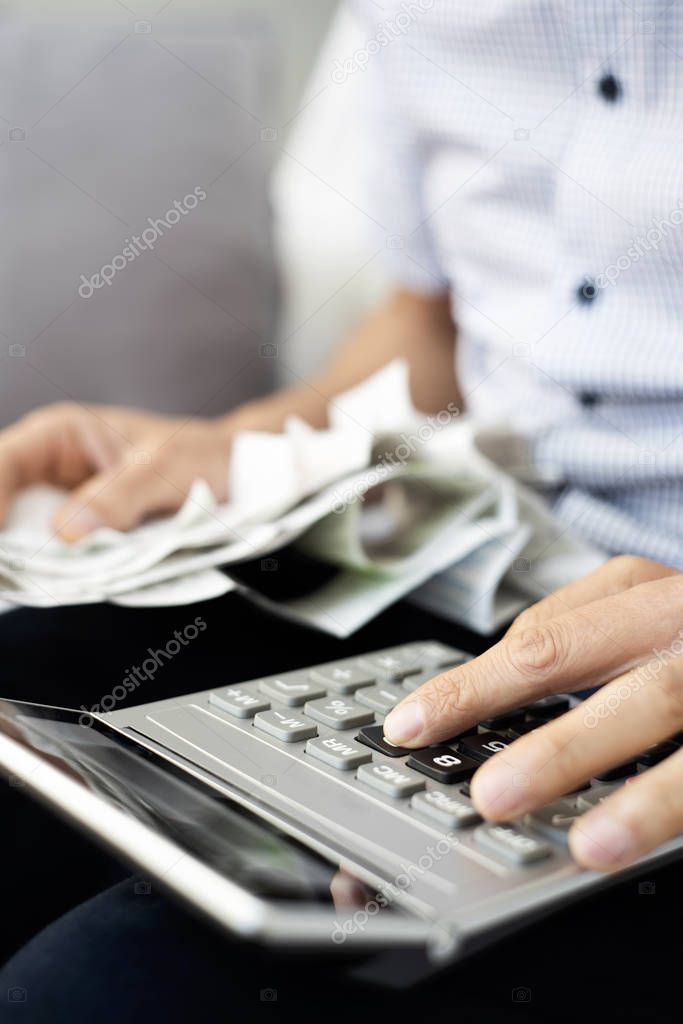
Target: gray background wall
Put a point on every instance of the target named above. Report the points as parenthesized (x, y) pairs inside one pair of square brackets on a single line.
[(106, 118)]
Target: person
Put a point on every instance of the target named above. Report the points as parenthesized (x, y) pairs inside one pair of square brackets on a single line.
[(526, 173)]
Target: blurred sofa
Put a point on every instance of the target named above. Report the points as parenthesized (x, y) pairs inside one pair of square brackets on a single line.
[(115, 126)]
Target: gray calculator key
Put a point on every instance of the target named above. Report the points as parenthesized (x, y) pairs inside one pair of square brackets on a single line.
[(393, 664), (452, 811), (592, 797), (395, 782), (382, 697), (555, 819), (411, 683), (512, 844), (238, 701), (338, 753), (338, 712), (431, 652), (286, 727), (345, 677), (292, 690)]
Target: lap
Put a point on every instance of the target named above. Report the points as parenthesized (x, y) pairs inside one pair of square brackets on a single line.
[(126, 955), (137, 957)]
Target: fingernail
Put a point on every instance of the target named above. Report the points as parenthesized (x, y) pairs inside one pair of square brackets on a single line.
[(601, 842), (79, 525), (404, 723), (494, 793)]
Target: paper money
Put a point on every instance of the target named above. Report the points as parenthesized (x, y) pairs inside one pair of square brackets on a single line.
[(395, 502)]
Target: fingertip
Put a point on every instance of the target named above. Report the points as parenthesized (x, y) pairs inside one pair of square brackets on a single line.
[(601, 843), (72, 525), (494, 794), (404, 725)]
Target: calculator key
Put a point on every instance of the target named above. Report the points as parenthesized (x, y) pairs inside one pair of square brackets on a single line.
[(450, 811), (338, 712), (338, 753), (412, 683), (547, 708), (393, 665), (620, 772), (381, 698), (653, 755), (373, 736), (554, 820), (396, 782), (442, 764), (483, 745), (345, 677), (522, 728), (238, 701), (439, 655), (592, 797), (504, 721), (512, 844), (286, 727), (465, 789), (292, 690)]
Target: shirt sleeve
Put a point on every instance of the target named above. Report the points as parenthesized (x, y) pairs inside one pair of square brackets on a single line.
[(393, 152)]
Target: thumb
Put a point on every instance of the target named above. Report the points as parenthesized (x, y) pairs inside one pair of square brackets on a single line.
[(120, 497)]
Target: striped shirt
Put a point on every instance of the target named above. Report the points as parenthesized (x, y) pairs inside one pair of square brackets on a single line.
[(526, 155)]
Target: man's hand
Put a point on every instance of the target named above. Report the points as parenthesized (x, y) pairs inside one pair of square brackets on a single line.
[(121, 465), (622, 623), (124, 465)]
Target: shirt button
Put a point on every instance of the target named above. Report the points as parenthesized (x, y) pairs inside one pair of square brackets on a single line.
[(587, 290), (610, 88)]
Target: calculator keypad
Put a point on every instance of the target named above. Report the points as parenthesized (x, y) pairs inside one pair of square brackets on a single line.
[(331, 715)]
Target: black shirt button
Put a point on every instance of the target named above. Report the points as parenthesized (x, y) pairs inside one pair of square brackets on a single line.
[(610, 88), (587, 290)]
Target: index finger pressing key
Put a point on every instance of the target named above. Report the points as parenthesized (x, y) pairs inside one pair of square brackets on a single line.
[(583, 647)]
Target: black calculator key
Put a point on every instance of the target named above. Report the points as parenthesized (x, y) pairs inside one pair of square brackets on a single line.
[(653, 755), (483, 745), (547, 708), (373, 736), (442, 764), (522, 728), (504, 721), (620, 772)]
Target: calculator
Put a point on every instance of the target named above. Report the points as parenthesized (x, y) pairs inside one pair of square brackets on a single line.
[(276, 808)]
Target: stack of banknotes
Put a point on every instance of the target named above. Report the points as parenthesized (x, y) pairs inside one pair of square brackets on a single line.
[(395, 503)]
